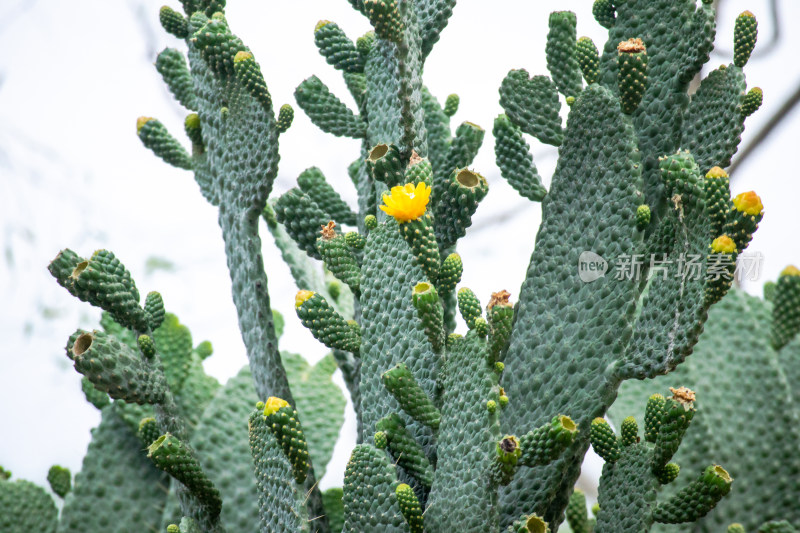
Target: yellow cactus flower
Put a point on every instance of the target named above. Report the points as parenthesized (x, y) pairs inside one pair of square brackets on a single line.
[(141, 121), (302, 297), (716, 172), (749, 203), (790, 270), (407, 202), (273, 404), (723, 245)]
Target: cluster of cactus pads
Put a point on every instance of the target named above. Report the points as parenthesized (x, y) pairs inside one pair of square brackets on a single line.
[(477, 432)]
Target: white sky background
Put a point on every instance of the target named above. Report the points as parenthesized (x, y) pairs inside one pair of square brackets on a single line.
[(74, 76)]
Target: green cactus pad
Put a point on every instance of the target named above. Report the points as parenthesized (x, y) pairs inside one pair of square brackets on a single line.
[(60, 480), (26, 507), (533, 105), (370, 500), (94, 396), (407, 453), (302, 218), (577, 514), (451, 105), (280, 498), (604, 441), (339, 258), (514, 158), (173, 22), (117, 484), (745, 33), (401, 384), (155, 137), (114, 368), (501, 318), (326, 111), (458, 200), (752, 101), (697, 499), (172, 456), (604, 13), (786, 311), (598, 137), (385, 164), (312, 182), (632, 74), (588, 59), (327, 326), (410, 507), (426, 301), (714, 122), (562, 60), (171, 64), (338, 50), (545, 443), (467, 441), (248, 74)]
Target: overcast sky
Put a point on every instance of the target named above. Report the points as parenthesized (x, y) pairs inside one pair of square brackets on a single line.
[(74, 76)]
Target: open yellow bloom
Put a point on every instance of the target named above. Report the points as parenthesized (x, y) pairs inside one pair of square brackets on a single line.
[(407, 202), (273, 404), (723, 245), (790, 270), (748, 202)]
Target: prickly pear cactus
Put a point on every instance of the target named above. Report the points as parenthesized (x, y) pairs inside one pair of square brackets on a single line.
[(482, 431)]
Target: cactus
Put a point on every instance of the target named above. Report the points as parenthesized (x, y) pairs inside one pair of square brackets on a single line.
[(482, 431)]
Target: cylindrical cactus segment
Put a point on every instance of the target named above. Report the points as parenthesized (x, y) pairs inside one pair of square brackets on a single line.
[(218, 46), (385, 18), (303, 219), (171, 64), (745, 33), (469, 306), (248, 73), (697, 499), (115, 368), (93, 395), (632, 74), (418, 233), (604, 13), (743, 218), (172, 456), (678, 413), (285, 426), (653, 413), (148, 431), (419, 170), (718, 199), (514, 158), (338, 50), (451, 104), (385, 164), (457, 203), (604, 441), (194, 130), (429, 309), (547, 442), (720, 268), (668, 473), (147, 347), (588, 59), (577, 513), (285, 118), (629, 432), (500, 313), (173, 22), (339, 257), (154, 307), (642, 217), (60, 480), (410, 507), (786, 308), (561, 53), (752, 101), (327, 326), (401, 384), (355, 240), (155, 137), (507, 454), (450, 273), (405, 450)]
